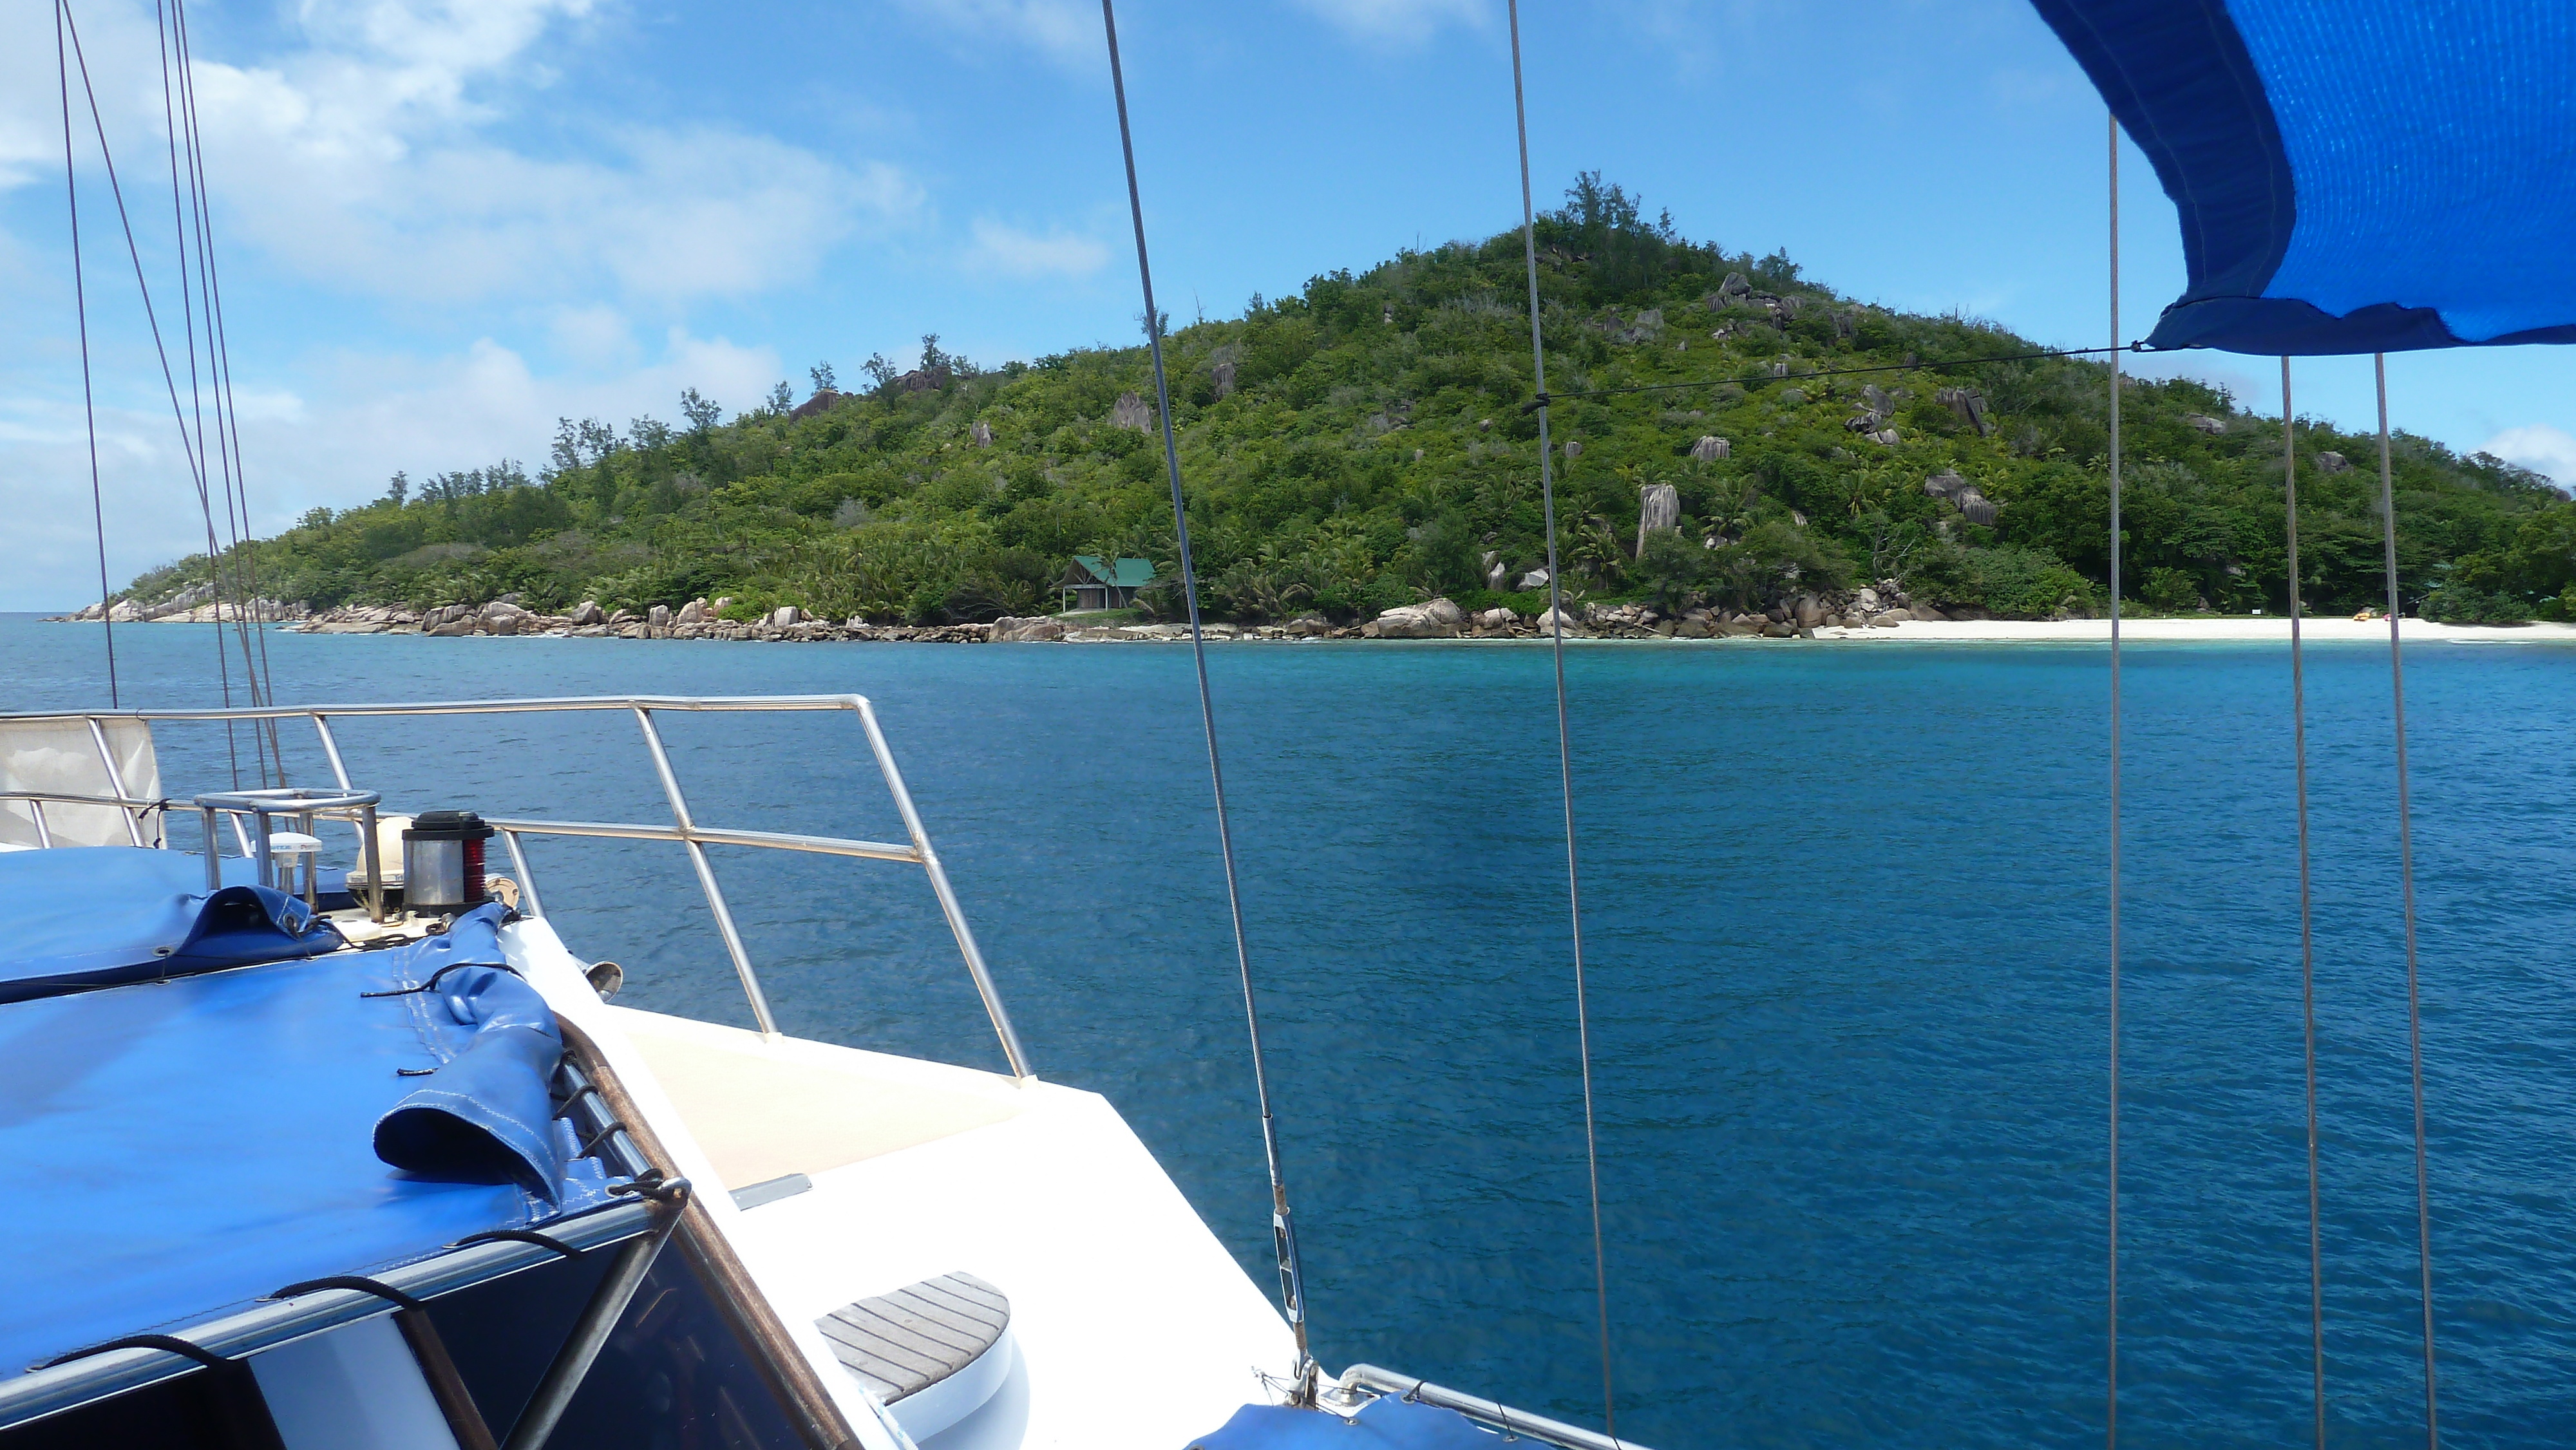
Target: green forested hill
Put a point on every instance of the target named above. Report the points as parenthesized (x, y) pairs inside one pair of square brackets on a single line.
[(1363, 444)]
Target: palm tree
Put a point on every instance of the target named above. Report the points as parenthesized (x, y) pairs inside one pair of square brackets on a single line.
[(1731, 508)]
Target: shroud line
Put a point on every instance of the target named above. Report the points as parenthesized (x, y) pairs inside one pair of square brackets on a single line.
[(2406, 874), (1292, 1285), (2307, 929), (1564, 736)]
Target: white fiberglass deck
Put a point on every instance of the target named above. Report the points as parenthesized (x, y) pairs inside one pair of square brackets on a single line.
[(1135, 1328)]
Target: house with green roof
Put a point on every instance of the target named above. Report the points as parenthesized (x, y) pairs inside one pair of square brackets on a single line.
[(1096, 583)]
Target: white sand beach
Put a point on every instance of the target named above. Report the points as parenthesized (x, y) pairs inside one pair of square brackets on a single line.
[(2268, 629)]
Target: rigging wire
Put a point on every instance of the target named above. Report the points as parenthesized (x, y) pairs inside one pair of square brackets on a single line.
[(169, 379), (219, 355), (2111, 1369), (1292, 1285), (1545, 397), (247, 626), (80, 303), (196, 399), (1564, 737), (2406, 875), (2307, 931)]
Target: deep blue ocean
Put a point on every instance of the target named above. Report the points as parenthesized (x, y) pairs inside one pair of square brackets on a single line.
[(1845, 909)]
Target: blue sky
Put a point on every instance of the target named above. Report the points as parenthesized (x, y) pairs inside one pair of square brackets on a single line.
[(444, 223)]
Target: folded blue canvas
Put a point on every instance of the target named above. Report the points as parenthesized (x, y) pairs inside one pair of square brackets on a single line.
[(77, 917), (485, 1114)]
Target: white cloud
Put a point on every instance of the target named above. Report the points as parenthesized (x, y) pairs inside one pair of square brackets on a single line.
[(383, 194), (2539, 447), (596, 337), (1011, 252), (1064, 31), (372, 156), (1401, 22)]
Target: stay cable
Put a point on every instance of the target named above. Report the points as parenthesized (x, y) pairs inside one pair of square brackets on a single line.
[(2406, 878), (2307, 919), (80, 303), (2111, 1367), (1292, 1286), (169, 378), (1564, 735)]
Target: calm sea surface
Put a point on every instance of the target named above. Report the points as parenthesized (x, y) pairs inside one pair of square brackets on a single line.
[(1845, 911)]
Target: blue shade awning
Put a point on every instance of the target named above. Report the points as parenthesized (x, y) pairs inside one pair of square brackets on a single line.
[(2355, 176), (88, 916), (177, 1148)]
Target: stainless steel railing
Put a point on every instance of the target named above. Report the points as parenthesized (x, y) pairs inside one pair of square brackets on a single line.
[(302, 806), (1366, 1381), (684, 828)]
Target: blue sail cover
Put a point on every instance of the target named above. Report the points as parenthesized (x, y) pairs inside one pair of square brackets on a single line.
[(91, 916), (2353, 176), (176, 1148)]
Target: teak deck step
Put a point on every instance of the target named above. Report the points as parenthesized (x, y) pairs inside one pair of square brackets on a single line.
[(901, 1343)]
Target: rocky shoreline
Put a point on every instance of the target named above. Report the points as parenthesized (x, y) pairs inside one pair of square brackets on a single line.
[(1879, 607), (1437, 619)]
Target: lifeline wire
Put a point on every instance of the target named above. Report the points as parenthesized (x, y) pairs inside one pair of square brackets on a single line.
[(1292, 1285), (2307, 933), (1564, 737), (1545, 397), (2406, 874), (2111, 1370), (80, 302)]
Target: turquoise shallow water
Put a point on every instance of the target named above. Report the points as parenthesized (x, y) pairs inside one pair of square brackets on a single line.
[(1846, 919)]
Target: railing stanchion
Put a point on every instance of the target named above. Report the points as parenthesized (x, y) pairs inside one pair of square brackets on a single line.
[(367, 849), (331, 750), (1011, 1050), (371, 855), (707, 876), (527, 879), (115, 779)]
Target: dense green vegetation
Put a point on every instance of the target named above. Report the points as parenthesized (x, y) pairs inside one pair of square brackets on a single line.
[(1364, 444)]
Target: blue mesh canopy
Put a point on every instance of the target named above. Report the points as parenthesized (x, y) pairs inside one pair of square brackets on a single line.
[(2352, 175)]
